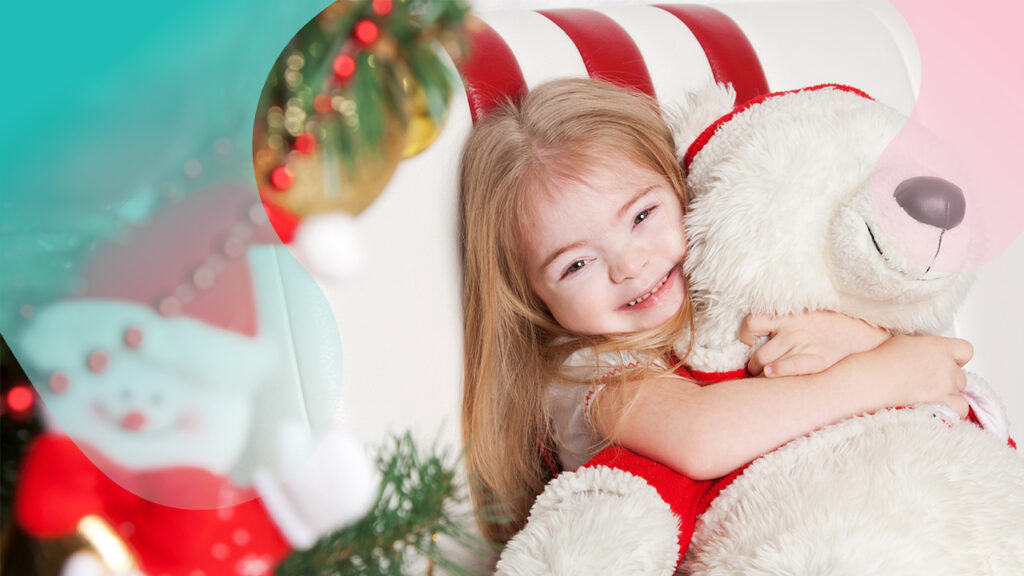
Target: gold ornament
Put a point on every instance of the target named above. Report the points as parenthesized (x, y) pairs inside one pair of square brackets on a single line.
[(422, 130), (324, 181), (23, 554)]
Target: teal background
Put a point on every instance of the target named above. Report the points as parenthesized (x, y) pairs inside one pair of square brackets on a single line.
[(103, 103)]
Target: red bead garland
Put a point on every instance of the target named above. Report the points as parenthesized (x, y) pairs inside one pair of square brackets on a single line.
[(322, 103), (345, 65), (305, 143), (282, 178), (20, 399), (367, 32)]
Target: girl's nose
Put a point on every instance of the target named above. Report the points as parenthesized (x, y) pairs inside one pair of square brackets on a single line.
[(627, 264)]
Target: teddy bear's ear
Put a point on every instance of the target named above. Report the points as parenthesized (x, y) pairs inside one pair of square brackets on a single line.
[(699, 110)]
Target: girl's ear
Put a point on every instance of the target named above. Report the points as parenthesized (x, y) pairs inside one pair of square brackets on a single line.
[(699, 110)]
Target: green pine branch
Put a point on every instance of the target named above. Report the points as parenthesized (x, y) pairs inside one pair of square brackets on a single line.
[(413, 509), (414, 27)]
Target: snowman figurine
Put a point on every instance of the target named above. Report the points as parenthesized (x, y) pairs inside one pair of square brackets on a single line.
[(149, 378)]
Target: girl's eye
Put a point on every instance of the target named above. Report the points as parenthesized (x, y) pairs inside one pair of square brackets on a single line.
[(574, 267), (642, 216)]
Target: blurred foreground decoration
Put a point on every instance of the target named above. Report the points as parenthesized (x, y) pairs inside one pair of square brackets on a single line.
[(360, 87), (415, 509), (402, 533)]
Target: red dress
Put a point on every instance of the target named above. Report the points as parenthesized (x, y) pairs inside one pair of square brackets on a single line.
[(687, 498)]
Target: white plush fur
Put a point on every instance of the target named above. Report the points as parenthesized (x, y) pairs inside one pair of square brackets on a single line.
[(897, 492), (780, 218), (784, 219), (595, 521), (700, 110)]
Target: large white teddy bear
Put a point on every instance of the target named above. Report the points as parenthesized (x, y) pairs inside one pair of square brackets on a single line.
[(796, 205)]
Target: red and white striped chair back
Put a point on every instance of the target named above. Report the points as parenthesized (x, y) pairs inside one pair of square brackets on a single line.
[(403, 311), (667, 50)]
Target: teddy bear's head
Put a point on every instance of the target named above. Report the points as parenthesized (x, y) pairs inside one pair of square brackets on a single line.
[(795, 207)]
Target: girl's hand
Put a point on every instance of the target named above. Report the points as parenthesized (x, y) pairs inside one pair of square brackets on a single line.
[(806, 343), (919, 369)]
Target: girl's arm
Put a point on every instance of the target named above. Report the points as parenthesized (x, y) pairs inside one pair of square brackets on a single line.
[(806, 343), (707, 432)]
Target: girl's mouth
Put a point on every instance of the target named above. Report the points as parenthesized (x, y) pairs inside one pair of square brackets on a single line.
[(650, 298)]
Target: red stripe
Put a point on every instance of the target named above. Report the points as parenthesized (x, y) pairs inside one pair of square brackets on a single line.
[(492, 73), (607, 50), (708, 132), (729, 52)]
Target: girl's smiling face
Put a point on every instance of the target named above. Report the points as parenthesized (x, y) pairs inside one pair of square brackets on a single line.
[(604, 252)]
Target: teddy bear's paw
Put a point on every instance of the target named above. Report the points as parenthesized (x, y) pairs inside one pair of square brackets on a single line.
[(595, 521)]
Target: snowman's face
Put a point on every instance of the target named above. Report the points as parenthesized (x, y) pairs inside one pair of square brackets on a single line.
[(143, 416), (143, 391)]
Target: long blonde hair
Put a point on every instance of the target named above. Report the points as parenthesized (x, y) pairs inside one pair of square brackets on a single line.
[(513, 347)]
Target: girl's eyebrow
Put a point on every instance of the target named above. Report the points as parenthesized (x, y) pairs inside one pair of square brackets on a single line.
[(643, 192), (622, 211), (559, 252)]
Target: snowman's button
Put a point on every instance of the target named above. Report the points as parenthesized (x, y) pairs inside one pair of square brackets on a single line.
[(98, 361), (133, 337), (59, 382)]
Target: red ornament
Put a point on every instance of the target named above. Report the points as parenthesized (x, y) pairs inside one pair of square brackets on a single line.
[(305, 143), (284, 222), (382, 7), (344, 67), (19, 398), (322, 103), (282, 178), (367, 32)]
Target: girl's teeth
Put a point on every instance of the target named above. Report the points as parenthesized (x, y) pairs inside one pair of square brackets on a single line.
[(645, 296)]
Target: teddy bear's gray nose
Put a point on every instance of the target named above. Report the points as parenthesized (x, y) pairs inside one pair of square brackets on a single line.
[(932, 201)]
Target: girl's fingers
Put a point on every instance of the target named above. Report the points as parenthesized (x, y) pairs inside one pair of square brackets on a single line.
[(796, 365), (961, 380), (963, 351), (755, 326), (958, 404), (768, 352)]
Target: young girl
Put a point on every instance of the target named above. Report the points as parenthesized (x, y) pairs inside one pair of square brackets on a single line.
[(571, 222)]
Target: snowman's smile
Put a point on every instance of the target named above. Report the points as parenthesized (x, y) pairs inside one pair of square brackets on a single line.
[(132, 421)]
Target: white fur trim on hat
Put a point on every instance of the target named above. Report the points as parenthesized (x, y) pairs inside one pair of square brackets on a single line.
[(700, 110)]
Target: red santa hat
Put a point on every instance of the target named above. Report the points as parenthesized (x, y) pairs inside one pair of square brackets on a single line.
[(188, 260), (177, 291)]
